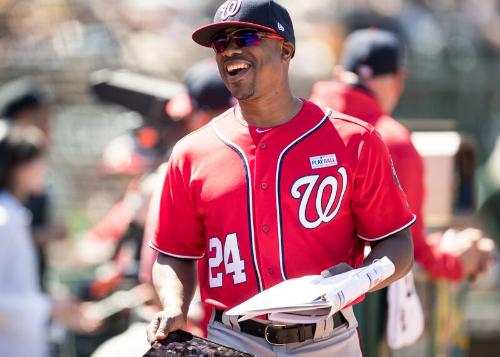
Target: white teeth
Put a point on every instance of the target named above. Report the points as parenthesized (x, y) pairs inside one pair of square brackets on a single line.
[(237, 65)]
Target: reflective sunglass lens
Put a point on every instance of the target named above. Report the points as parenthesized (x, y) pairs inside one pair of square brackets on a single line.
[(243, 38), (247, 39), (220, 45)]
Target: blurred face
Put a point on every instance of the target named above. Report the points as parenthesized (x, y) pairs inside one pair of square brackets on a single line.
[(388, 89), (401, 76), (252, 71), (38, 117), (29, 178), (396, 89)]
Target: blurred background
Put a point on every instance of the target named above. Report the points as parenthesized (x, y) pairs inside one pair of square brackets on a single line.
[(453, 63)]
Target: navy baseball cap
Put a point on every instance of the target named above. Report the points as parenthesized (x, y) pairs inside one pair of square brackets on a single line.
[(264, 15), (20, 94), (206, 88), (372, 52)]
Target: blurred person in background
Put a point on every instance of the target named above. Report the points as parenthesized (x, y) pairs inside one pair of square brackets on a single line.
[(126, 302), (368, 86), (23, 102), (24, 310), (205, 97), (132, 155), (113, 245)]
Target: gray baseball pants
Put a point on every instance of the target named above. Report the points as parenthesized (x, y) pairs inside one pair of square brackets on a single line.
[(328, 341)]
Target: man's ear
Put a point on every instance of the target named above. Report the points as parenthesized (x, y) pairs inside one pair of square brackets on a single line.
[(287, 51)]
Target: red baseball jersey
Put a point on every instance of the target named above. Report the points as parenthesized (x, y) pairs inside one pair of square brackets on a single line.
[(260, 205), (408, 163)]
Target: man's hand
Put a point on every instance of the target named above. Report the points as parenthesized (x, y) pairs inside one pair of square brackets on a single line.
[(339, 269), (175, 282), (474, 250), (163, 323), (335, 270), (74, 315), (487, 248)]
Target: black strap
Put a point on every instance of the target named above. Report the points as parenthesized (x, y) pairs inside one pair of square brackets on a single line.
[(281, 334)]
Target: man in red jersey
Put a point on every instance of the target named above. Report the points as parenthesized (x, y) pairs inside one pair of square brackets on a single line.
[(274, 188), (368, 87)]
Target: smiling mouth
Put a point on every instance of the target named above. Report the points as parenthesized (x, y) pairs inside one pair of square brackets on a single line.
[(238, 68)]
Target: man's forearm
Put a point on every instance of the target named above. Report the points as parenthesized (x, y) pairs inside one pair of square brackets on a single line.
[(175, 282), (399, 249)]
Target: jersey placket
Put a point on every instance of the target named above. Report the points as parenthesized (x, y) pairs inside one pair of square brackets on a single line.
[(263, 172), (269, 146)]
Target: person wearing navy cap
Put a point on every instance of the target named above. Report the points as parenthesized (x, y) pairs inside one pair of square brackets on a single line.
[(368, 86), (206, 96), (274, 188), (267, 16), (24, 102)]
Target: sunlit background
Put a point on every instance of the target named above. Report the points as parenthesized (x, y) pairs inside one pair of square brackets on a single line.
[(453, 63)]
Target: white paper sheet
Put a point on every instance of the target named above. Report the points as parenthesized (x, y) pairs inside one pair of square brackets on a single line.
[(313, 292)]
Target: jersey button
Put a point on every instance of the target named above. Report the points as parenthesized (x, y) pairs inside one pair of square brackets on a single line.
[(263, 185), (263, 146), (265, 228), (270, 271)]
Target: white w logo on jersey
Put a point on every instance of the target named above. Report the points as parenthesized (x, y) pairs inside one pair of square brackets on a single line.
[(327, 213)]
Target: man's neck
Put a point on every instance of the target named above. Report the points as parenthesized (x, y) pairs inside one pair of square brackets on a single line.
[(271, 110)]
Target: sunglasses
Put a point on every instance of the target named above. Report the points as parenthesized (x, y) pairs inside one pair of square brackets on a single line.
[(242, 38)]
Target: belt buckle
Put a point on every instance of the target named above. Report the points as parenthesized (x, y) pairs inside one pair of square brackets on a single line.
[(266, 337)]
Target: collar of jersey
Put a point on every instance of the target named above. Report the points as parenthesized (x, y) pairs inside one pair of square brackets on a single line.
[(242, 122)]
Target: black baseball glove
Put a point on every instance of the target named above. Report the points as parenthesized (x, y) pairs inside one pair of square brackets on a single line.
[(180, 343)]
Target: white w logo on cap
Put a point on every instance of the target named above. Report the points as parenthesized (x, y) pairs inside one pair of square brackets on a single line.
[(230, 8)]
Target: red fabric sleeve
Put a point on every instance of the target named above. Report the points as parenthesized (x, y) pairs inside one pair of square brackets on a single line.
[(179, 229), (410, 169), (379, 202)]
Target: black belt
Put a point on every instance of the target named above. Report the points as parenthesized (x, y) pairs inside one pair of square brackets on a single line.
[(281, 334)]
